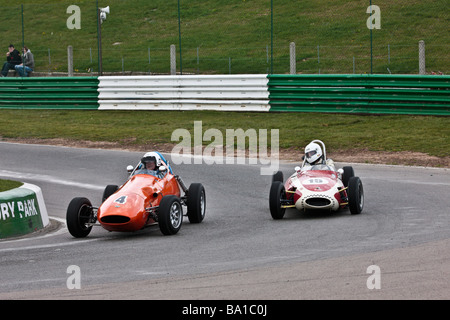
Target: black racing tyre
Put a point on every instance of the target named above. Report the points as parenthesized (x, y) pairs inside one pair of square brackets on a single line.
[(196, 203), (348, 173), (355, 195), (79, 213), (109, 190), (277, 192), (170, 215), (278, 176)]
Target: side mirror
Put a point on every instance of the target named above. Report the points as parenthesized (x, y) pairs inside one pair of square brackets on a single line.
[(297, 169), (162, 168), (130, 168)]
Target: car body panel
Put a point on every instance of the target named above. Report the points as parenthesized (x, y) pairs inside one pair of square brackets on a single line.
[(316, 189), (130, 201)]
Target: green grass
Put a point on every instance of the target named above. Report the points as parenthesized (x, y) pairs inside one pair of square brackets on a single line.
[(233, 36), (6, 185), (427, 134)]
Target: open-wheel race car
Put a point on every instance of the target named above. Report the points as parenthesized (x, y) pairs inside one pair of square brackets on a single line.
[(316, 186), (149, 197)]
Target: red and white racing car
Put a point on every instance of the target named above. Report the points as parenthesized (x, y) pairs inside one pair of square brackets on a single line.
[(316, 187)]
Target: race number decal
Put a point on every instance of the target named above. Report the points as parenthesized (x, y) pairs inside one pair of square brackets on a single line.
[(121, 200), (315, 181)]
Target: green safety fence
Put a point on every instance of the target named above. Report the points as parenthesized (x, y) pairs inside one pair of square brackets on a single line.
[(391, 94), (49, 93), (365, 93)]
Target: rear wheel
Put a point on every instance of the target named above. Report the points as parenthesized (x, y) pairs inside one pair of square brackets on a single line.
[(170, 215), (355, 195), (196, 203), (277, 192), (79, 214)]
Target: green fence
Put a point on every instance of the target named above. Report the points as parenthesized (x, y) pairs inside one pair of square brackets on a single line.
[(49, 93), (391, 94), (394, 94)]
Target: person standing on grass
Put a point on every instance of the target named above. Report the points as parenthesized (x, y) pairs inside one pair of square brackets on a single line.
[(13, 58), (28, 63)]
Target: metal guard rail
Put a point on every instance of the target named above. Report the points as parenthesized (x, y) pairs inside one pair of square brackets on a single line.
[(187, 92), (390, 94), (49, 93)]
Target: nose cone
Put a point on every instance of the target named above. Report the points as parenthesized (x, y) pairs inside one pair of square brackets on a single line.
[(122, 212)]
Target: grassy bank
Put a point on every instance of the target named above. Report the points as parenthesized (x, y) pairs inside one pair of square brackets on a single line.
[(341, 133), (6, 185), (231, 36)]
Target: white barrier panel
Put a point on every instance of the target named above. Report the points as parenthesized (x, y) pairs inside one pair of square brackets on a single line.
[(40, 198), (200, 92)]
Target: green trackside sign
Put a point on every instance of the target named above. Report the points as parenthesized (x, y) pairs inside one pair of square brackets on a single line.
[(19, 213)]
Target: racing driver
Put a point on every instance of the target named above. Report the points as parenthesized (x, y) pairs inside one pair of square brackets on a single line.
[(151, 161), (314, 156)]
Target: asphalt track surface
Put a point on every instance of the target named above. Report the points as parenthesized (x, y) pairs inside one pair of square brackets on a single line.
[(238, 251)]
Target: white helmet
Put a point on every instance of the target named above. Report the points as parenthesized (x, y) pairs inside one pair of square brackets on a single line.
[(313, 152), (152, 156)]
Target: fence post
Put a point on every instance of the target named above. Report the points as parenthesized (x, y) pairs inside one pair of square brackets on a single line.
[(70, 61), (292, 58), (421, 57), (173, 60)]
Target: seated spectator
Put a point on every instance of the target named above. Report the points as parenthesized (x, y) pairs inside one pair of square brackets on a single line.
[(13, 58), (27, 66)]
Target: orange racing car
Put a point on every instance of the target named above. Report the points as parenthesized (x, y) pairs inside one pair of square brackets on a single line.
[(152, 195)]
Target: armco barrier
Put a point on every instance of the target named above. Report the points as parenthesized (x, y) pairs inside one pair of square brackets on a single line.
[(202, 92), (22, 211), (49, 93), (378, 94), (394, 94)]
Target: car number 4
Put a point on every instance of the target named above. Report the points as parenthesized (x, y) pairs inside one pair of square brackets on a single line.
[(121, 200)]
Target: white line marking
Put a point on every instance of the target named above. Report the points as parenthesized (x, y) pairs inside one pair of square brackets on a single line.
[(52, 245), (47, 178), (62, 230)]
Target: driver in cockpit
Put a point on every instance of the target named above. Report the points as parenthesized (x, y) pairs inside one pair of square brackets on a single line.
[(150, 164), (314, 156)]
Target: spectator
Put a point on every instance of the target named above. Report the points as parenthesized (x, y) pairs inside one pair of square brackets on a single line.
[(13, 58), (27, 66)]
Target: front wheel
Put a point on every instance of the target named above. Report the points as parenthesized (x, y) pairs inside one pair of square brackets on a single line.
[(278, 176), (170, 216), (79, 215), (355, 195), (277, 192), (196, 203), (348, 173), (109, 190)]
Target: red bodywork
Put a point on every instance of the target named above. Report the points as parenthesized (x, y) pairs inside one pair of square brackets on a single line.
[(128, 209), (316, 189)]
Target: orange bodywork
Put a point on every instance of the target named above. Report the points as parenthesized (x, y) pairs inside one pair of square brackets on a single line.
[(125, 210)]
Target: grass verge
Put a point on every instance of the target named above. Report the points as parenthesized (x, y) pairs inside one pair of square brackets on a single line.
[(340, 132), (6, 185)]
